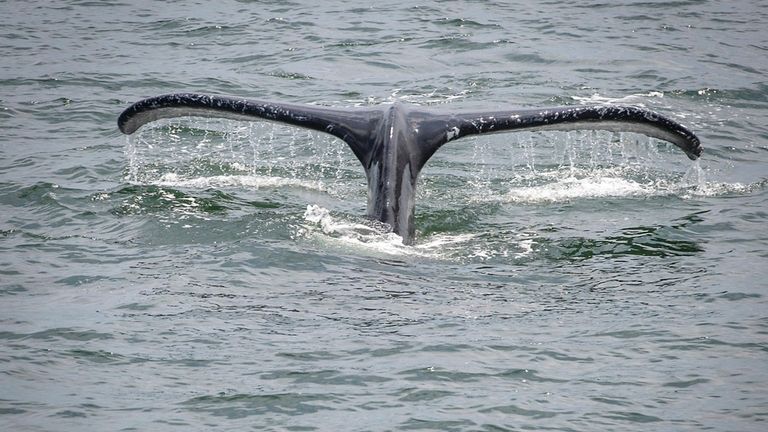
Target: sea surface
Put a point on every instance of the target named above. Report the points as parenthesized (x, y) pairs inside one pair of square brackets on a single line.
[(215, 275)]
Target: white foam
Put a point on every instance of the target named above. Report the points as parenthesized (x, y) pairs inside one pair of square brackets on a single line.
[(571, 188), (375, 237), (330, 225), (633, 98), (249, 181), (563, 185)]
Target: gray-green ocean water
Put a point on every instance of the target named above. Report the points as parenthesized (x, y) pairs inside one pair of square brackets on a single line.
[(220, 275)]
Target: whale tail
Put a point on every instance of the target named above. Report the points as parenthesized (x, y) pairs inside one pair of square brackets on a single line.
[(354, 125), (394, 142)]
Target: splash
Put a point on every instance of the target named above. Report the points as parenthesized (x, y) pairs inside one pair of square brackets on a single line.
[(694, 184), (336, 226), (375, 238)]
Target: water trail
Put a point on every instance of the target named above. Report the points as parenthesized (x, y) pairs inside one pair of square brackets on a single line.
[(563, 166), (203, 153)]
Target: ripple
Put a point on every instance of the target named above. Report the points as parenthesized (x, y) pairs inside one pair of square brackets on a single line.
[(236, 406), (58, 333)]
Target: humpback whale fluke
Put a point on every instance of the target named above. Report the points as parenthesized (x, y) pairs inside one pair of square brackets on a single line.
[(394, 142)]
